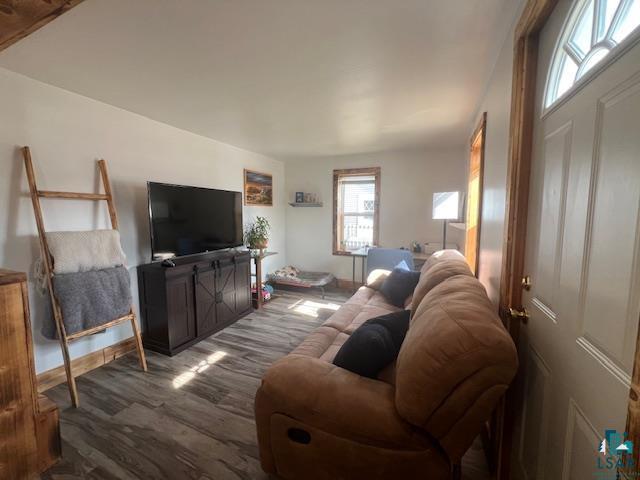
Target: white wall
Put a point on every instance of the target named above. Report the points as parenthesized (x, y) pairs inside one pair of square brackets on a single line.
[(497, 103), (408, 181), (67, 134)]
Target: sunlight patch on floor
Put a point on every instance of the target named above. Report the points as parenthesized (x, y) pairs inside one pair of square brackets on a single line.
[(295, 304), (310, 308), (190, 374)]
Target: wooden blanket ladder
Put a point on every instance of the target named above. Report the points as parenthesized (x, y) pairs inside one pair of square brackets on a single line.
[(48, 266)]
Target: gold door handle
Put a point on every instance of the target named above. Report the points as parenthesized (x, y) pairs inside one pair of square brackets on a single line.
[(526, 283), (521, 315)]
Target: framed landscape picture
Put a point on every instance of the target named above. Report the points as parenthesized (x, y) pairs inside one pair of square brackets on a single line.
[(258, 188)]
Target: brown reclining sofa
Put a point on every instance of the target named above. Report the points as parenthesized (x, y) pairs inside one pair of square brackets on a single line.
[(319, 421)]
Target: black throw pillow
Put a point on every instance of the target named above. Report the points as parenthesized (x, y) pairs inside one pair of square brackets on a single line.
[(399, 285), (374, 345)]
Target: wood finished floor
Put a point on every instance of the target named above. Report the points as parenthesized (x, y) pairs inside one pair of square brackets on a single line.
[(190, 416)]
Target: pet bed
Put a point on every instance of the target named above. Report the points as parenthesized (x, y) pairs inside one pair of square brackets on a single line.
[(293, 277)]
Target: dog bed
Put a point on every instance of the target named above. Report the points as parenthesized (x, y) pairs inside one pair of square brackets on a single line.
[(293, 277)]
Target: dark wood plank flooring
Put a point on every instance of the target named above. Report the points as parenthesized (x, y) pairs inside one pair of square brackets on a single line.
[(190, 416)]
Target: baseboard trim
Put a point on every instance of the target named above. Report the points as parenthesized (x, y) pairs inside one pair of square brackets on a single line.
[(84, 364)]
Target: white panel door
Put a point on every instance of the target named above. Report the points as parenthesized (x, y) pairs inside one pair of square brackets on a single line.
[(582, 253)]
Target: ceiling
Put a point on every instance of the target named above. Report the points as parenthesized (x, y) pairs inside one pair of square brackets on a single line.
[(287, 78)]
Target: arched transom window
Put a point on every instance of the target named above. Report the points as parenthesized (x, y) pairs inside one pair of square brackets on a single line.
[(593, 30)]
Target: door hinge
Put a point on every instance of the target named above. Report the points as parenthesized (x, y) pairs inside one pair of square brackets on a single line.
[(521, 315)]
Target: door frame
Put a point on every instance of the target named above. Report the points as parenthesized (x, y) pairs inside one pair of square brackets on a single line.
[(523, 98), (480, 131)]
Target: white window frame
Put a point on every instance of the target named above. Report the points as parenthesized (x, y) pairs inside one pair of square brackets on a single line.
[(563, 44)]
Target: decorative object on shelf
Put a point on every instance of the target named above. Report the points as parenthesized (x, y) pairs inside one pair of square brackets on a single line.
[(258, 188), (415, 247), (256, 234), (446, 206), (305, 204), (306, 200)]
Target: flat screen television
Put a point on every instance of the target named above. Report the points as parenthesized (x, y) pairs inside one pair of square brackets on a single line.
[(187, 220)]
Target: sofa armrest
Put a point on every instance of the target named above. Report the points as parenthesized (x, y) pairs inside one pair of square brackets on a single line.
[(336, 401)]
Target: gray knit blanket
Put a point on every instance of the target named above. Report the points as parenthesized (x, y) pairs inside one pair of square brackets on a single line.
[(90, 299)]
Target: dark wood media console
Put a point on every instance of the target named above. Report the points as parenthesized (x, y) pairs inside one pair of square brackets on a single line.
[(181, 305)]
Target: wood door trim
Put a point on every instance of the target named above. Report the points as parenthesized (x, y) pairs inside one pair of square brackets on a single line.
[(523, 97), (481, 130)]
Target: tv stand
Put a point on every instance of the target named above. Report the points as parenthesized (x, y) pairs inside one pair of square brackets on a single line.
[(199, 296)]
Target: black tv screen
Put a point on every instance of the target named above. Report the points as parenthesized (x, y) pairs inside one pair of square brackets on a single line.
[(186, 220)]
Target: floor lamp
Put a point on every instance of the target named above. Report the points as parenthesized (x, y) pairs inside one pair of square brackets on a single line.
[(446, 206)]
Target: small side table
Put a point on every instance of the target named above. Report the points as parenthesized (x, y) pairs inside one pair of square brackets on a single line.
[(419, 258), (362, 254), (258, 256)]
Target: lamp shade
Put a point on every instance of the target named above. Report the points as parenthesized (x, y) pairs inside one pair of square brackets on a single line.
[(446, 206)]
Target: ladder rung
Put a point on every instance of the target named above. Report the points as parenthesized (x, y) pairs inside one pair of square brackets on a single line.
[(73, 195), (99, 328)]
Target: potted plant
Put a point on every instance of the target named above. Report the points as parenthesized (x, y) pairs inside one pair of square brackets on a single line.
[(256, 234)]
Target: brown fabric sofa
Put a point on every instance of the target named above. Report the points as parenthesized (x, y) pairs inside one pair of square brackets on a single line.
[(319, 421)]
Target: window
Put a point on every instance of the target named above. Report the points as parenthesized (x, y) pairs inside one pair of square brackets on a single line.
[(356, 194), (593, 30)]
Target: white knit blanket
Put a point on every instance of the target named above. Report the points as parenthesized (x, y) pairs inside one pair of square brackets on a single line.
[(83, 251)]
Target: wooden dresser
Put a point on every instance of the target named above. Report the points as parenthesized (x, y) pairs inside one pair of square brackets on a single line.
[(29, 425)]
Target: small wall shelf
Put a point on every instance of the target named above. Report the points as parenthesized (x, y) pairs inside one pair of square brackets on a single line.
[(305, 204)]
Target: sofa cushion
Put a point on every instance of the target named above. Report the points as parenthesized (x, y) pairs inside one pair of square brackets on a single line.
[(456, 360), (377, 277), (442, 256), (324, 342), (374, 345), (366, 303), (435, 275), (399, 285)]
